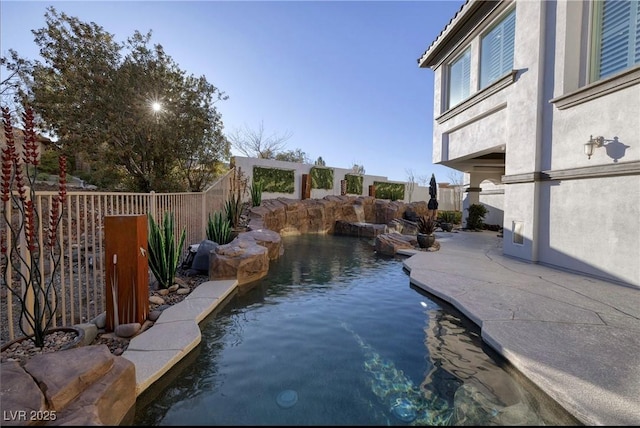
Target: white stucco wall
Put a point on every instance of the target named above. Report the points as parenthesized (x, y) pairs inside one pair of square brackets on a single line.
[(561, 200), (246, 164), (593, 226)]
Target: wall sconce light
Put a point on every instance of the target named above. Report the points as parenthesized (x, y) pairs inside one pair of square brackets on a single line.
[(592, 144)]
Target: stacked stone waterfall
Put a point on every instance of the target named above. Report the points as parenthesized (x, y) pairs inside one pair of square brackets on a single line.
[(247, 257)]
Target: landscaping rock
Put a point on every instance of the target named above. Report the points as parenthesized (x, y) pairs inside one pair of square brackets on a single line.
[(127, 330), (61, 381), (243, 260), (18, 392), (389, 243), (90, 332), (156, 300), (203, 254)]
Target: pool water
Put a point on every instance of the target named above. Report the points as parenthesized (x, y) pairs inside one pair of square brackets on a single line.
[(336, 335)]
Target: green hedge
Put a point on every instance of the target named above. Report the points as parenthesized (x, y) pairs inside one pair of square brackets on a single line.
[(321, 178), (354, 184), (275, 180), (392, 191)]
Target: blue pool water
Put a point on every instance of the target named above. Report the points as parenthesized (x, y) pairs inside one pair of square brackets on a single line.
[(336, 335)]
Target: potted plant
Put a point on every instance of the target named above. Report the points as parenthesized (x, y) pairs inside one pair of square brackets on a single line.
[(426, 227), (446, 218)]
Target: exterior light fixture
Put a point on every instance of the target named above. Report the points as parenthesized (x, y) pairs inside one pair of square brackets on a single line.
[(592, 144)]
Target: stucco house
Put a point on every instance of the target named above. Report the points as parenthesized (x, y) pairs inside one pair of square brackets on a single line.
[(538, 103)]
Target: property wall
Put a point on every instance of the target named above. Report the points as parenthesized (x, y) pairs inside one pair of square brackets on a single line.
[(446, 196)]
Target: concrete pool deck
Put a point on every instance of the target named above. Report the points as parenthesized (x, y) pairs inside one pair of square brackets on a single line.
[(577, 338)]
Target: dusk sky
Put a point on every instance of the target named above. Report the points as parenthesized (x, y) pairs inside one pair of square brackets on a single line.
[(341, 77)]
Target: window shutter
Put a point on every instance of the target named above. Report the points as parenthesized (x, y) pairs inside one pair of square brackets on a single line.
[(620, 37), (460, 79), (497, 50)]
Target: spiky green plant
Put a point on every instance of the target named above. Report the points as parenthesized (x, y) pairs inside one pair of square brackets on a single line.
[(233, 209), (219, 228), (164, 252), (256, 193)]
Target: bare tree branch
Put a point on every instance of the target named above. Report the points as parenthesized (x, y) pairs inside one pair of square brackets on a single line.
[(254, 142)]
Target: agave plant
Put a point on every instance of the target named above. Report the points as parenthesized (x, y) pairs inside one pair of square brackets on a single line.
[(256, 193), (164, 252), (233, 209), (219, 228)]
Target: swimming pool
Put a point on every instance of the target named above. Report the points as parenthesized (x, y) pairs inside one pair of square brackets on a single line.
[(336, 335)]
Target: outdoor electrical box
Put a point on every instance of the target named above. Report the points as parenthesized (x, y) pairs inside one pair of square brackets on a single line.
[(126, 270)]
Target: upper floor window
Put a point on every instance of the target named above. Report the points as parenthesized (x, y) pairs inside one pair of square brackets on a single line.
[(460, 78), (616, 37), (496, 50)]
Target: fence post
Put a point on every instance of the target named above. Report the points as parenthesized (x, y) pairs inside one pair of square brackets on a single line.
[(152, 205), (205, 204)]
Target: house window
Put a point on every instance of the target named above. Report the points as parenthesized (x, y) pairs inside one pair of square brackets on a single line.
[(460, 78), (616, 37), (496, 50)]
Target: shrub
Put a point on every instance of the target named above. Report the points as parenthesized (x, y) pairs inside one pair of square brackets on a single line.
[(164, 252), (453, 217), (475, 220), (219, 228)]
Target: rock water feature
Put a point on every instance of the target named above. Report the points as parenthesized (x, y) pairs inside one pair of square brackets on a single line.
[(363, 216), (247, 257)]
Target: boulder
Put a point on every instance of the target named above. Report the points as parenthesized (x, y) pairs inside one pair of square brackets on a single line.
[(241, 259), (201, 258), (389, 243), (363, 230), (97, 389), (267, 238)]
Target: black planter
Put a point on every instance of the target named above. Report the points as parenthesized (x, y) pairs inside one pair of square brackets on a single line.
[(76, 342), (446, 227), (425, 241)]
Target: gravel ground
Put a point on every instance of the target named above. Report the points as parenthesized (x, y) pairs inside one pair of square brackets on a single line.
[(23, 350)]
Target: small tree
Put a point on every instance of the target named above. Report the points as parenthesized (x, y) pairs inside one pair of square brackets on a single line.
[(357, 168), (456, 178), (37, 295), (254, 143), (411, 182)]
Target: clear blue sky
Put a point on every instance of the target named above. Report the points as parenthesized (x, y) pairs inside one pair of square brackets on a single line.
[(340, 76)]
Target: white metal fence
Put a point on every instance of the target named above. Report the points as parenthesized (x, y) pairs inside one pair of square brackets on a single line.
[(79, 279)]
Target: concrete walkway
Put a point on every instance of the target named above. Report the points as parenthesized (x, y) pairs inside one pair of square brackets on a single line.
[(576, 337), (175, 333)]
